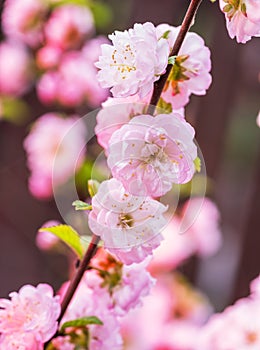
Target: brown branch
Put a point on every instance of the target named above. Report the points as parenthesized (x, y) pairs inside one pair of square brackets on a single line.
[(77, 278), (186, 23)]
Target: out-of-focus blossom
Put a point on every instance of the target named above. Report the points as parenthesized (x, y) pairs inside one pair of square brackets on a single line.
[(133, 62), (48, 57), (149, 154), (15, 68), (171, 309), (23, 20), (54, 151), (68, 26), (47, 240), (72, 84), (236, 328), (203, 236), (92, 48), (129, 225), (242, 18), (190, 73), (32, 312), (204, 231)]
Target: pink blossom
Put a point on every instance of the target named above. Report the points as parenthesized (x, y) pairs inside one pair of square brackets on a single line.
[(92, 48), (88, 302), (68, 26), (242, 18), (258, 119), (47, 87), (133, 62), (54, 151), (115, 113), (15, 68), (127, 285), (19, 341), (33, 311), (23, 20), (128, 225), (47, 240), (190, 73), (236, 328), (149, 154), (48, 57)]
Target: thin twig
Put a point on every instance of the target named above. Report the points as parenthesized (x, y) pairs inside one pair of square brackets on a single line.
[(186, 23)]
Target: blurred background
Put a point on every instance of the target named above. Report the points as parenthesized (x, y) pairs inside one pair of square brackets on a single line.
[(226, 131)]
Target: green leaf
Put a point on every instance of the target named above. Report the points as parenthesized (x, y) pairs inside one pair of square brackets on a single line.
[(163, 107), (81, 322), (68, 235), (197, 163), (15, 110), (93, 186), (172, 59), (80, 205), (165, 35)]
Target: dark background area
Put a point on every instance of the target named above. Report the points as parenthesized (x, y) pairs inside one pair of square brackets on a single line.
[(226, 133)]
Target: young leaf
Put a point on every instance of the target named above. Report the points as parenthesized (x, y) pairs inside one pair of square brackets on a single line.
[(81, 322), (68, 235), (197, 163), (171, 59), (163, 107), (80, 205)]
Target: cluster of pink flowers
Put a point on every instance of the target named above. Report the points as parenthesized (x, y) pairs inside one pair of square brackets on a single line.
[(55, 149), (107, 292), (59, 36), (29, 319)]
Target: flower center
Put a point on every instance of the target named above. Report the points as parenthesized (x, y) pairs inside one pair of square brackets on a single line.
[(123, 60), (125, 220), (232, 6), (251, 337)]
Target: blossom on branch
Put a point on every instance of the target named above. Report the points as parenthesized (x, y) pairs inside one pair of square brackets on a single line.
[(190, 72), (133, 62), (149, 154), (129, 225), (242, 18)]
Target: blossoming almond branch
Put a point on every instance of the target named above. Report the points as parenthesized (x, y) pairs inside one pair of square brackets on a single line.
[(126, 218)]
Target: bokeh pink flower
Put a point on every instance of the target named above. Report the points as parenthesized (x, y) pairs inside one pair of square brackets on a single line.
[(68, 26), (149, 154), (24, 20), (54, 149), (129, 225), (16, 69), (133, 62)]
